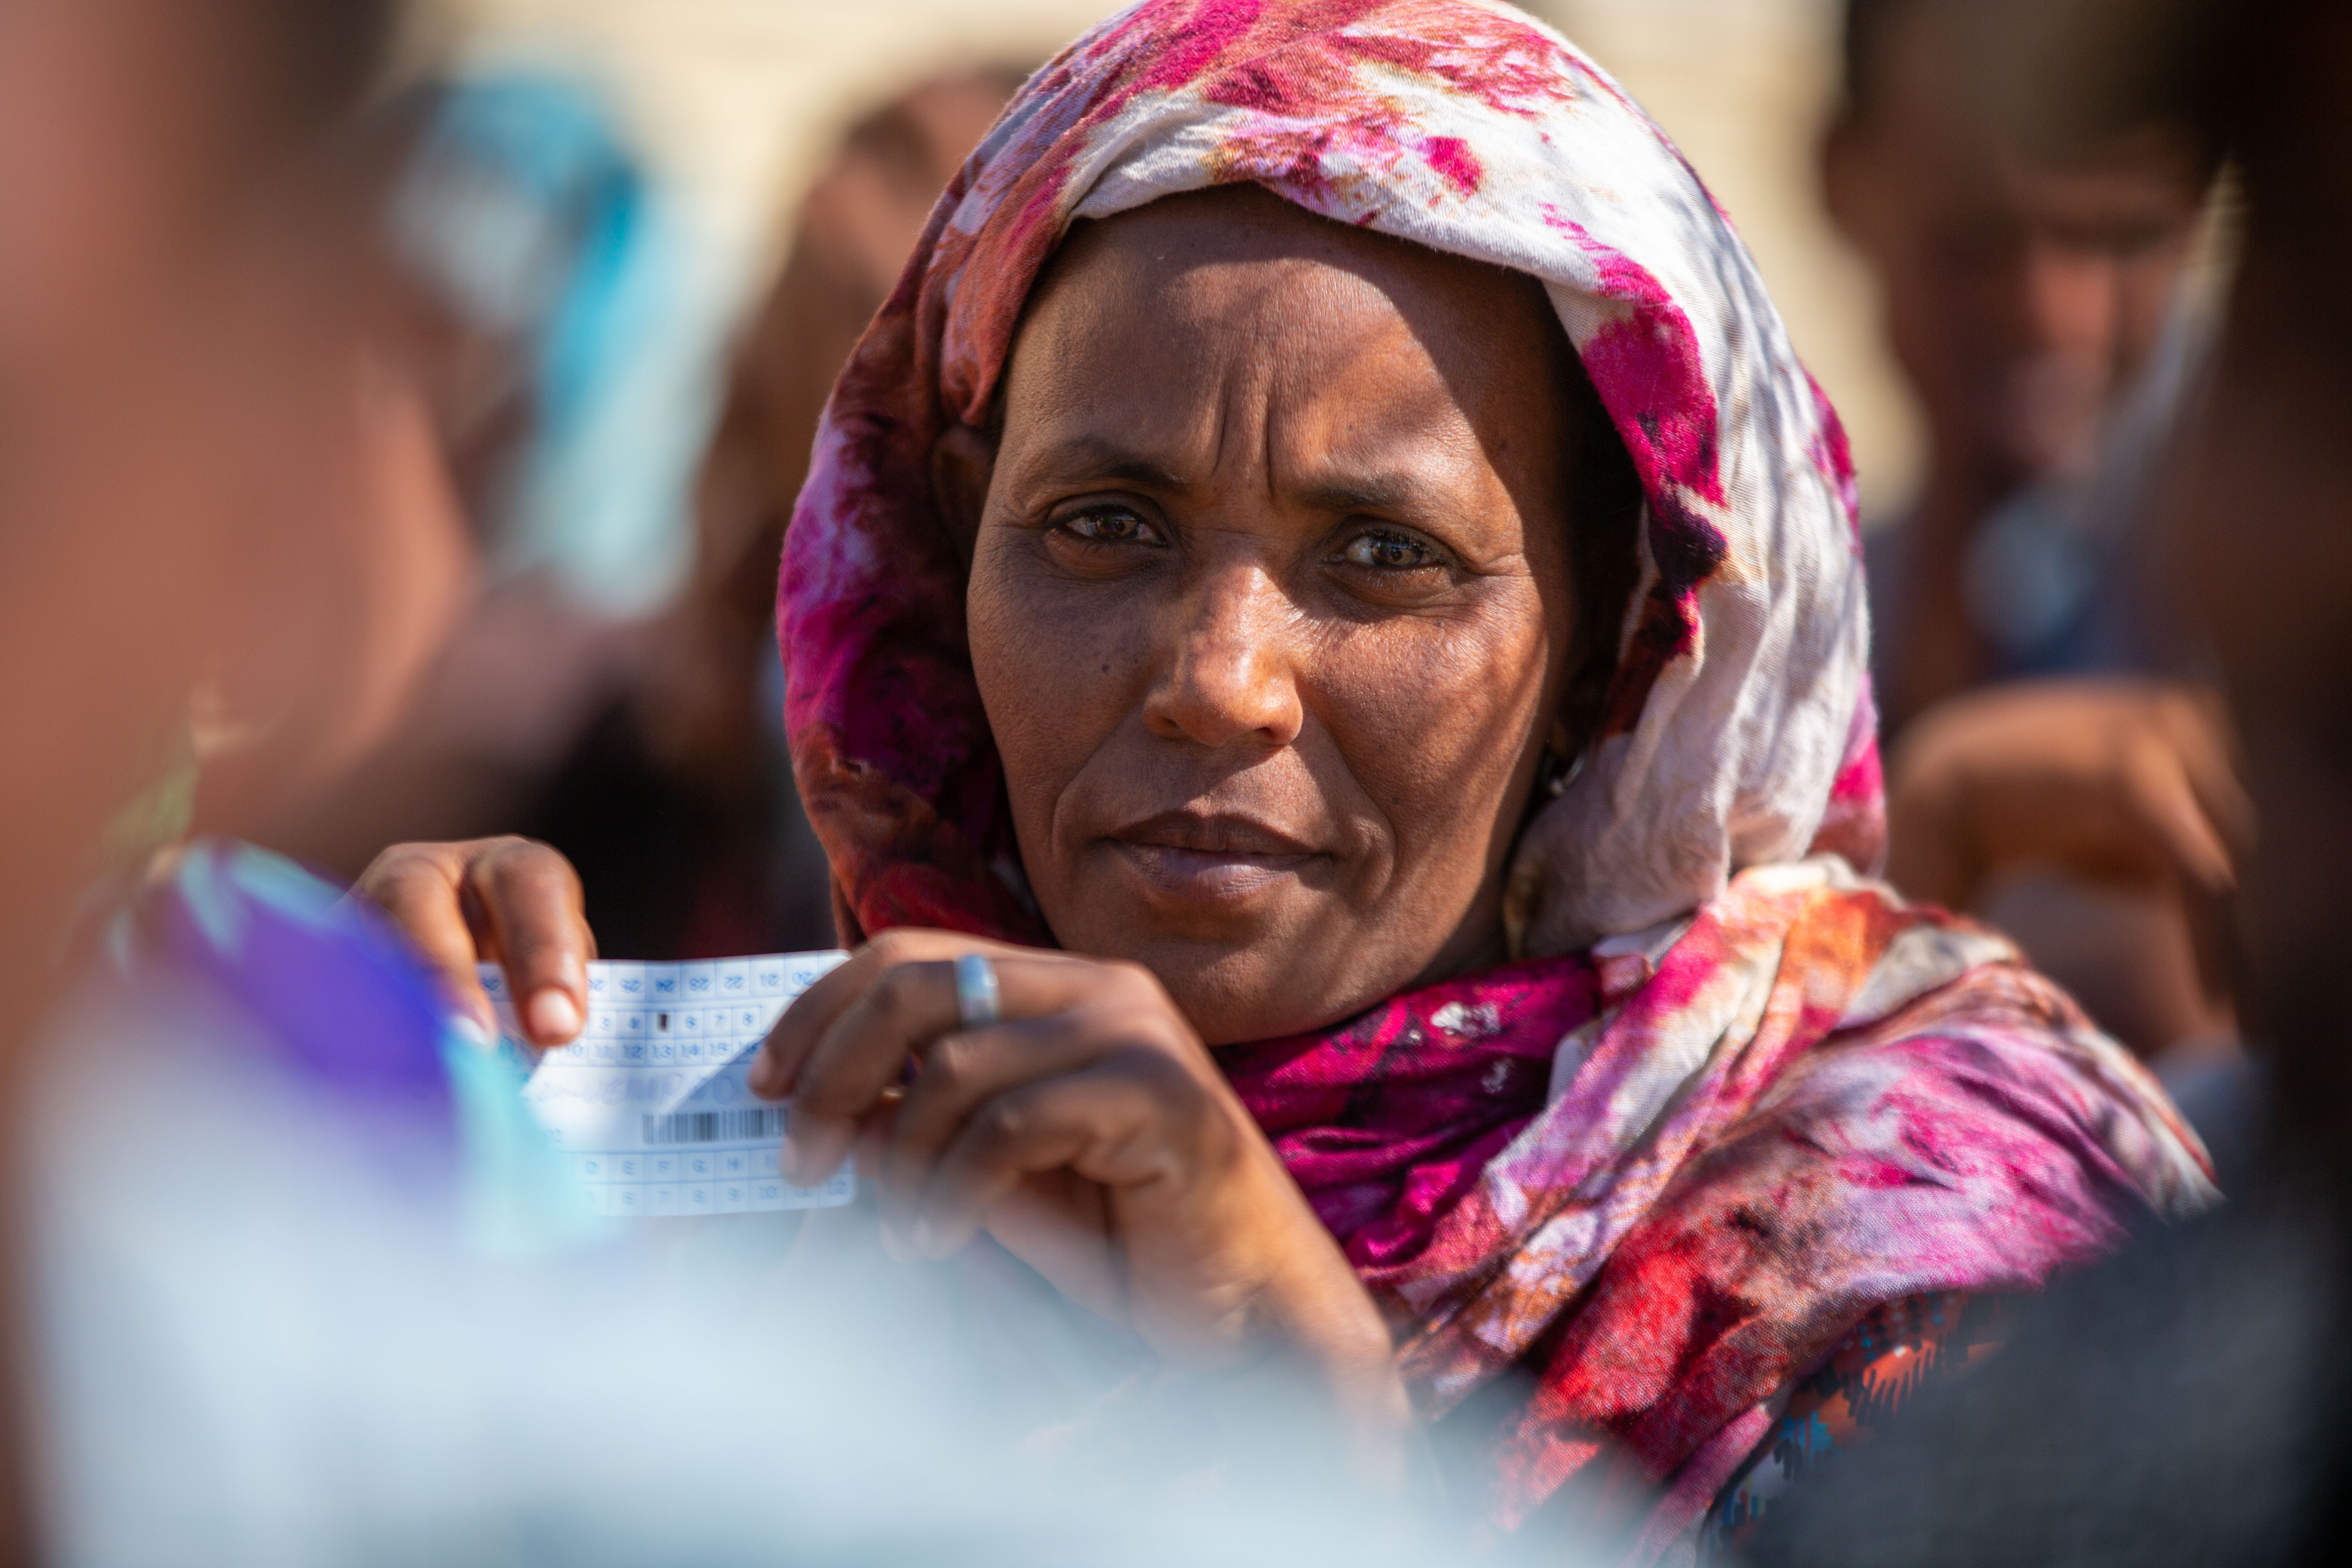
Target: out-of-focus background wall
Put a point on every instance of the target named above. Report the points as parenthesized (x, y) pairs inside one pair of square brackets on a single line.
[(739, 102)]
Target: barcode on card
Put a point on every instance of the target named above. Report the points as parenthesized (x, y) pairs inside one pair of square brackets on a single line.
[(715, 1126)]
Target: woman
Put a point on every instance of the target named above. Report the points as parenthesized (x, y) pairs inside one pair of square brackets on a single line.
[(1400, 763)]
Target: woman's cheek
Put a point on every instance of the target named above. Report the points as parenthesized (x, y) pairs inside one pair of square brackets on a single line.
[(1435, 718), (1448, 696), (1053, 659)]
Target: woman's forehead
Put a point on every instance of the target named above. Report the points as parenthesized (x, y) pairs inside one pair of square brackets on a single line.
[(1235, 286), (1246, 227)]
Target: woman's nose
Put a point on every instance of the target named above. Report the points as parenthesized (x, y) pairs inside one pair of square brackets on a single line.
[(1232, 673)]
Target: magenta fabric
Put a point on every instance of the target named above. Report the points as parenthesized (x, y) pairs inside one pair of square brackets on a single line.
[(1388, 1120), (1670, 1186)]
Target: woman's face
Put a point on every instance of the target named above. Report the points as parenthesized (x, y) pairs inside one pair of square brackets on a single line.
[(1270, 601)]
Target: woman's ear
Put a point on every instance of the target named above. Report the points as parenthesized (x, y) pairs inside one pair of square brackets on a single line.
[(963, 460)]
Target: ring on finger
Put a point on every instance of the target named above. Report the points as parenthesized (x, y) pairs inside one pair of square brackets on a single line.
[(978, 1001)]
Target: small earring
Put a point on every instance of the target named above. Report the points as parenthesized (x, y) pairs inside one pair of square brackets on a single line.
[(1558, 778)]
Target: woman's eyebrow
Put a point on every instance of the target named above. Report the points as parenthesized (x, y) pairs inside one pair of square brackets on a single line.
[(1390, 493), (1103, 457), (1094, 457)]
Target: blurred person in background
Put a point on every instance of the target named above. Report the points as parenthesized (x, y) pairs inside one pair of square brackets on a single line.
[(1325, 599), (2027, 296), (574, 696), (678, 803), (2058, 763), (2184, 1404), (529, 280)]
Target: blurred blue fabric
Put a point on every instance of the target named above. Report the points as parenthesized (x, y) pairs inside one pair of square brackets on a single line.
[(523, 203)]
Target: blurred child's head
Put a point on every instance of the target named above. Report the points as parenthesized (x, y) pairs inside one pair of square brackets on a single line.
[(2024, 282)]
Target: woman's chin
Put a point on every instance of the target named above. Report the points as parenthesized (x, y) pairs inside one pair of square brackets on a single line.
[(1234, 996)]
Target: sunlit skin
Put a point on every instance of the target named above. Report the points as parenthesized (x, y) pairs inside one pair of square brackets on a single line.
[(1259, 614), (1271, 612)]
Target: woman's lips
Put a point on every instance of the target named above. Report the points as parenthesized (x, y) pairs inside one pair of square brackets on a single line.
[(1214, 859)]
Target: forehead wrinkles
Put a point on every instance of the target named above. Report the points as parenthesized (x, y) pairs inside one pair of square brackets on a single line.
[(1231, 357), (1321, 366)]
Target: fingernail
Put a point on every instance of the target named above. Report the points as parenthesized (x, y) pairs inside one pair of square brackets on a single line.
[(554, 1015), (760, 1080), (470, 1029), (894, 1244), (789, 1159)]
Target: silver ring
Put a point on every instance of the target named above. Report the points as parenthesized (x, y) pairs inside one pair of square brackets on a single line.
[(977, 1001)]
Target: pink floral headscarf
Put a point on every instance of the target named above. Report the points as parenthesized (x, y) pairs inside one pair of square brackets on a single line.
[(1733, 1096)]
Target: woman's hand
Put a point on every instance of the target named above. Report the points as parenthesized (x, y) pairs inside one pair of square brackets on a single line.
[(1090, 1133), (509, 901)]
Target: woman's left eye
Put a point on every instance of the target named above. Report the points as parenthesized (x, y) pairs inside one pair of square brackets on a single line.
[(1111, 525), (1386, 550)]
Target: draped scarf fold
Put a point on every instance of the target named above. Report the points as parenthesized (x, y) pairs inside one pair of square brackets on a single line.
[(1673, 1183), (1733, 1095)]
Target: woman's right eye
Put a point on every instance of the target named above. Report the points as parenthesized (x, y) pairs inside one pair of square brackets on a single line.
[(1110, 525)]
